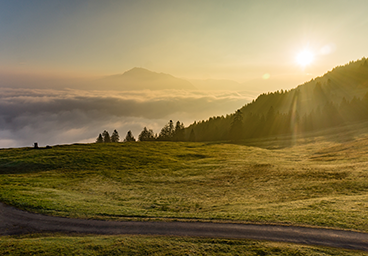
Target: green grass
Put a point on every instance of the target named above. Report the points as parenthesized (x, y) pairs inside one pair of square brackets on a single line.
[(314, 183), (153, 245)]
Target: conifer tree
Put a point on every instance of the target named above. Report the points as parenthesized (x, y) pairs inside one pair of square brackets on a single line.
[(236, 128), (115, 136), (129, 137), (106, 137), (179, 132), (99, 139), (146, 135), (167, 132)]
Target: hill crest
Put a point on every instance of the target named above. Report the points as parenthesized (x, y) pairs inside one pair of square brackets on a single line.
[(337, 98)]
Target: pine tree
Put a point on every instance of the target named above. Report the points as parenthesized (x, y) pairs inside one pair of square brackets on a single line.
[(106, 137), (129, 137), (99, 139), (179, 132), (115, 136), (236, 128), (167, 132), (146, 135)]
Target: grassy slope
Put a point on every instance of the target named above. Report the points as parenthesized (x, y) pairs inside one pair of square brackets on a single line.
[(153, 245), (317, 182), (320, 181)]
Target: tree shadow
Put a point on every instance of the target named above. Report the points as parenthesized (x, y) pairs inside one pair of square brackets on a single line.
[(21, 167)]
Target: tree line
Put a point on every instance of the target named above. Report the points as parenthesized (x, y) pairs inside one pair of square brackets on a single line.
[(106, 138), (244, 125), (169, 132)]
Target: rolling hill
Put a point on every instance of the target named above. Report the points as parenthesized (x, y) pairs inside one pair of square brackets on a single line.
[(338, 97)]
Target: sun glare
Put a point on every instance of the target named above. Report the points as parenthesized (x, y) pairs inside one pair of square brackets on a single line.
[(305, 58)]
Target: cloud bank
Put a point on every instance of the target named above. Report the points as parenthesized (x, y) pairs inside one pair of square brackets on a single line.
[(52, 117)]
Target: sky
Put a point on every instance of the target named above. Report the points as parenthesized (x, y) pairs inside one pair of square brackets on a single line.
[(237, 40), (255, 43)]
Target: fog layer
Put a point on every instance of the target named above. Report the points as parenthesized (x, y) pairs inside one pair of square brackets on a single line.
[(52, 117)]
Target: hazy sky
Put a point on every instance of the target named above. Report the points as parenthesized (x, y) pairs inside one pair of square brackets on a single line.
[(239, 40)]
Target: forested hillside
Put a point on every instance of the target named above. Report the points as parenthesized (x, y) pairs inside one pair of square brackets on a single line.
[(338, 97)]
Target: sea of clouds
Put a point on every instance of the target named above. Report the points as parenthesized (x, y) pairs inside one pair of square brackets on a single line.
[(50, 116)]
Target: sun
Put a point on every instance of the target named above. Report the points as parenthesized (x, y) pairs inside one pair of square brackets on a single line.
[(305, 58)]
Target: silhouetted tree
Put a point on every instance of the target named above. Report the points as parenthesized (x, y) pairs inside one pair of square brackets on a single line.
[(115, 136), (237, 126), (167, 132), (129, 137), (179, 132), (106, 137), (99, 139), (146, 135)]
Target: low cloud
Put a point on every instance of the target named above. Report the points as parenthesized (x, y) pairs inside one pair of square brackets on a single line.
[(68, 116)]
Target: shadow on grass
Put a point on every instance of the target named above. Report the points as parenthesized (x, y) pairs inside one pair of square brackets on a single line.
[(20, 167), (191, 156)]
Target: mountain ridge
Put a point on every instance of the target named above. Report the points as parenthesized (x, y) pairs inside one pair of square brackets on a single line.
[(140, 78)]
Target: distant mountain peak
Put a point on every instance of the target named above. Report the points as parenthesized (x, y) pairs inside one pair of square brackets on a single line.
[(139, 78), (140, 73), (138, 70)]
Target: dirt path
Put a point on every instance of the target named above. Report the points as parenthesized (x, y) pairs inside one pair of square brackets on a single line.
[(14, 222)]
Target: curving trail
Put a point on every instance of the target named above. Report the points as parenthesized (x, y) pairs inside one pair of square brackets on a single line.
[(14, 222)]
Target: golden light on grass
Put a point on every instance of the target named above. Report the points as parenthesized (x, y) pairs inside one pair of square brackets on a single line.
[(318, 182)]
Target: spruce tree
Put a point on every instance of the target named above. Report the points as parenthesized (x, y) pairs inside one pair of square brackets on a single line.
[(106, 137), (236, 129), (167, 132), (99, 139), (146, 135), (179, 132), (129, 137), (115, 136)]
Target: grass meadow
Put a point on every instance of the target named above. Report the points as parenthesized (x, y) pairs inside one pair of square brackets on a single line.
[(154, 245), (316, 184), (317, 181)]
